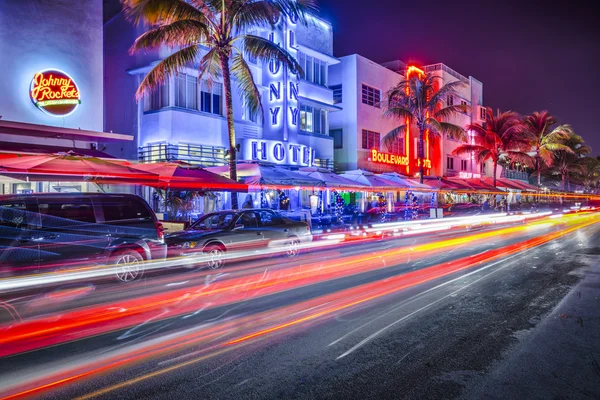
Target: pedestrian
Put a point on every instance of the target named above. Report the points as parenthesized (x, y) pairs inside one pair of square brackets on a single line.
[(249, 202)]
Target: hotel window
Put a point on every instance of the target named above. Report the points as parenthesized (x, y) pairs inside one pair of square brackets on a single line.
[(450, 163), (463, 165), (397, 146), (450, 100), (338, 138), (247, 114), (482, 112), (482, 168), (464, 104), (306, 118), (337, 93), (210, 97), (315, 70), (313, 119), (370, 140), (371, 96), (186, 91), (159, 97)]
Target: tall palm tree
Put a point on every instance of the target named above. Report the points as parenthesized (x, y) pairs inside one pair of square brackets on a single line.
[(547, 137), (589, 176), (418, 103), (212, 35), (501, 135), (569, 162)]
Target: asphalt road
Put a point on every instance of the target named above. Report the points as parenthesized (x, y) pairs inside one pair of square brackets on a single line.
[(497, 328)]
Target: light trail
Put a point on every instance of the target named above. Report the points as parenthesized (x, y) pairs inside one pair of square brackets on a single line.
[(317, 309)]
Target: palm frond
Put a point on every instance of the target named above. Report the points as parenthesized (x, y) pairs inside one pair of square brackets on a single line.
[(176, 34), (169, 66), (521, 157), (247, 15), (266, 50), (468, 149), (450, 111), (154, 12), (399, 113), (245, 82), (392, 136), (453, 131), (210, 67)]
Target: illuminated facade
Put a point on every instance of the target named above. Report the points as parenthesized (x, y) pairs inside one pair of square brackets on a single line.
[(184, 119), (52, 85), (358, 130)]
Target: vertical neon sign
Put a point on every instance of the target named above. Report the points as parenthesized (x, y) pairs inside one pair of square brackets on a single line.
[(410, 71)]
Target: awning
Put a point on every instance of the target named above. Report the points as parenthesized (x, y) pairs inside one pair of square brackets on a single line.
[(474, 184), (330, 179), (369, 179), (403, 182), (268, 175), (505, 183), (182, 176), (441, 184), (36, 149), (68, 167)]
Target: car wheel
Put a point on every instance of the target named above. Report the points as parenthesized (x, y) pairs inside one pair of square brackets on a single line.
[(129, 265), (291, 248), (215, 256)]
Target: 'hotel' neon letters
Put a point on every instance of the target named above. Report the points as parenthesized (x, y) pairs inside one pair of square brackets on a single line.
[(256, 150)]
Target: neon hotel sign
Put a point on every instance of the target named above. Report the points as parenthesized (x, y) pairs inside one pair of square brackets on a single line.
[(54, 92)]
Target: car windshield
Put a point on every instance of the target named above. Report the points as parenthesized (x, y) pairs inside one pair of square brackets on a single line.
[(214, 221)]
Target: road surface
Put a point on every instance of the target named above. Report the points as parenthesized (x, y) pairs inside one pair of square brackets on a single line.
[(509, 312)]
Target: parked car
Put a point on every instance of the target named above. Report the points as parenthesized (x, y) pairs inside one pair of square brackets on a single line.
[(50, 231), (252, 229)]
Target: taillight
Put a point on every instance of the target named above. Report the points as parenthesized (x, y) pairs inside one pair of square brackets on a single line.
[(160, 230)]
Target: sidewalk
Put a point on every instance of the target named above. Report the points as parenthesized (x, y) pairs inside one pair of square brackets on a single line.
[(560, 357)]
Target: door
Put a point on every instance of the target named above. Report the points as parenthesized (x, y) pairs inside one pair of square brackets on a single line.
[(19, 247), (273, 228), (250, 236), (69, 235)]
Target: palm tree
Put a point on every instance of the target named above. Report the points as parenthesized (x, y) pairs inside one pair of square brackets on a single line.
[(501, 135), (416, 103), (589, 176), (547, 137), (211, 34), (569, 162)]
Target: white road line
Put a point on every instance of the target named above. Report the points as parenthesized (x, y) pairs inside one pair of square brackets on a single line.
[(374, 335)]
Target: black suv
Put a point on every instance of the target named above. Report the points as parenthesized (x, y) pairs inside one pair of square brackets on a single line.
[(51, 231)]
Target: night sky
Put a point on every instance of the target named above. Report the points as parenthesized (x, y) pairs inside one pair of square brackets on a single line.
[(530, 55)]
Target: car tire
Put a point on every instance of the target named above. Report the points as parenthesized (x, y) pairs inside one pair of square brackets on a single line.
[(215, 254), (128, 264), (291, 248)]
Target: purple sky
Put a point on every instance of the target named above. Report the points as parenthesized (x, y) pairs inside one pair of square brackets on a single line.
[(528, 56)]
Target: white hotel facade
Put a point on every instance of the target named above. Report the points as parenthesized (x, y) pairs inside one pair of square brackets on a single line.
[(184, 119), (360, 84)]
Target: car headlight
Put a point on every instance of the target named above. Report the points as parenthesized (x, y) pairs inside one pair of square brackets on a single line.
[(189, 245)]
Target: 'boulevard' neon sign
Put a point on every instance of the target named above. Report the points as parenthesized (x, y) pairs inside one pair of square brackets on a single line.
[(387, 158), (54, 92)]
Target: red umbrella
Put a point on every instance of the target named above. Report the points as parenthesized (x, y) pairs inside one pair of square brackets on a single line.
[(71, 167), (173, 175)]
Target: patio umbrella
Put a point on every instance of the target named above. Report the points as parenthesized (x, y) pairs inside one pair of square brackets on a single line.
[(70, 167), (183, 176), (330, 179), (403, 182), (369, 179), (268, 175)]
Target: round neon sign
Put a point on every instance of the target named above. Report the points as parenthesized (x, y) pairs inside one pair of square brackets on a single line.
[(54, 92)]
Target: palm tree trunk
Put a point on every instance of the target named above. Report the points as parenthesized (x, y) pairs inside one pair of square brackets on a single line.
[(564, 180), (495, 168), (421, 153), (224, 58), (538, 166)]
